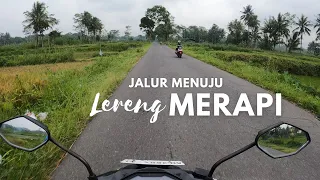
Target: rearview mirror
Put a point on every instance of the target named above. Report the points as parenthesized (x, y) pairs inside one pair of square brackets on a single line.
[(282, 140), (28, 134), (277, 141), (24, 133)]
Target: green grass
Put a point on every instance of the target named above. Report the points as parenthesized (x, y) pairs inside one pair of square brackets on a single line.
[(265, 78), (283, 144), (67, 97), (90, 55), (279, 64), (281, 148), (21, 55), (309, 81), (32, 59)]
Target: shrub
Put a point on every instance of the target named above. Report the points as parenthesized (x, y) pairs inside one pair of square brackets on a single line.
[(294, 144), (276, 141), (3, 61)]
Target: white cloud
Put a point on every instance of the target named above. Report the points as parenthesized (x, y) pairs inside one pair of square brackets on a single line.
[(116, 14)]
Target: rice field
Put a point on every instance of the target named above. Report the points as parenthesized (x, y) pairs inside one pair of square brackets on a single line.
[(33, 74), (65, 91)]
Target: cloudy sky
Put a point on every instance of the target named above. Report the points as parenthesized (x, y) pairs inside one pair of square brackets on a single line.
[(116, 14)]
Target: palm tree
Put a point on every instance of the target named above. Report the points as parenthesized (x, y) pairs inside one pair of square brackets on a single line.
[(317, 25), (302, 28), (293, 42), (253, 24), (276, 29), (280, 29), (236, 31), (247, 13), (38, 20), (282, 26), (255, 35), (253, 21)]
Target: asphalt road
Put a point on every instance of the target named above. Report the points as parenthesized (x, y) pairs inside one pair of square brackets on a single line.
[(197, 141), (273, 152)]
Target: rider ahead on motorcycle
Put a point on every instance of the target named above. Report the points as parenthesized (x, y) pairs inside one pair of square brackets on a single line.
[(179, 45)]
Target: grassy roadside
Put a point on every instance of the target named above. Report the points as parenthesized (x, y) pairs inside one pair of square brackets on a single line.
[(67, 98), (32, 74), (313, 82), (283, 144), (267, 79)]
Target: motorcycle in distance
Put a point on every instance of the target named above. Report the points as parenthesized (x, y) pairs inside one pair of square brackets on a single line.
[(277, 141), (179, 52)]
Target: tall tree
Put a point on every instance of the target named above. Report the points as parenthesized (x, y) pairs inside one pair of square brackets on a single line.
[(87, 21), (236, 31), (160, 32), (88, 25), (193, 32), (203, 34), (113, 34), (96, 27), (215, 34), (246, 14), (313, 47), (5, 38), (127, 32), (266, 42), (278, 28), (293, 42), (38, 20), (147, 25), (303, 27), (54, 34), (255, 36), (79, 25), (180, 31), (317, 25), (252, 22), (270, 32), (160, 15)]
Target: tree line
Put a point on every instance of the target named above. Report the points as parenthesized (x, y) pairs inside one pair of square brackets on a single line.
[(38, 21), (284, 29)]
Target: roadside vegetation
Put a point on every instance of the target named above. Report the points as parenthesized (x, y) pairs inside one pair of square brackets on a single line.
[(285, 139), (66, 91), (47, 71)]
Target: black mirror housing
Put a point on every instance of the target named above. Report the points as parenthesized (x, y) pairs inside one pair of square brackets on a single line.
[(34, 121), (276, 150)]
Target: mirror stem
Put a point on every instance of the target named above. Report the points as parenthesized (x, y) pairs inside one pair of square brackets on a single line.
[(92, 176), (213, 168)]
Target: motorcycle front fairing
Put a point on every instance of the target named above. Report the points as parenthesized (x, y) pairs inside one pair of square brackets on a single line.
[(148, 172)]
